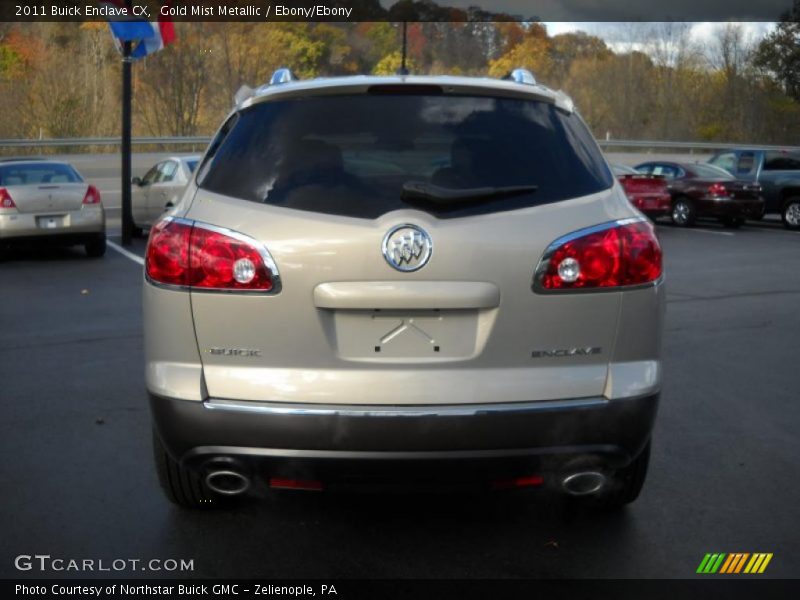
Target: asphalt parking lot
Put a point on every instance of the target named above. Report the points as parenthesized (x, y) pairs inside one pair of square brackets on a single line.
[(78, 479)]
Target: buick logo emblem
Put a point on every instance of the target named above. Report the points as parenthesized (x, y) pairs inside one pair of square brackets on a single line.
[(407, 247)]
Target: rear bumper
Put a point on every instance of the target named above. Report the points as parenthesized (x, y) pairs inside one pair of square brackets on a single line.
[(314, 436), (653, 206), (84, 223), (728, 207)]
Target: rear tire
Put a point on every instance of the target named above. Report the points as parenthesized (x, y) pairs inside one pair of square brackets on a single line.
[(791, 213), (96, 248), (683, 213), (181, 486)]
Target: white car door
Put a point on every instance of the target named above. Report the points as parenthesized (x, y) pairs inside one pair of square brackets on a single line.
[(162, 189), (139, 197)]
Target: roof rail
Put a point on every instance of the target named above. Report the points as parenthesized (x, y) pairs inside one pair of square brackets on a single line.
[(521, 76), (282, 75)]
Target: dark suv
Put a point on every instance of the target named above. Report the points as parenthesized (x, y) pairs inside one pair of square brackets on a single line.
[(778, 173)]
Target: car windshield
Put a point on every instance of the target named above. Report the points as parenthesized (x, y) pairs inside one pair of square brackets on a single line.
[(38, 173), (707, 171), (354, 155)]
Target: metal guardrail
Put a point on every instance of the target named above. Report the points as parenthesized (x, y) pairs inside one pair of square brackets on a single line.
[(688, 145), (103, 141), (201, 140)]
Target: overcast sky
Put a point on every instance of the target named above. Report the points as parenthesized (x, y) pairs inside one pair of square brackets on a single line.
[(630, 10), (618, 35)]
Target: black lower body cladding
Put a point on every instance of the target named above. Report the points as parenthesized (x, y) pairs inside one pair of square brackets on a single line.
[(612, 431)]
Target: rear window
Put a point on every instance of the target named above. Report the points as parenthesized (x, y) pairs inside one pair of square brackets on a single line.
[(711, 172), (38, 173), (192, 165), (351, 155)]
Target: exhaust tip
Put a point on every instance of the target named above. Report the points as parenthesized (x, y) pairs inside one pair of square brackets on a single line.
[(227, 482), (584, 483)]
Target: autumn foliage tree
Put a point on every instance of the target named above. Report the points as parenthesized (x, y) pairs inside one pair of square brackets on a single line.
[(63, 79)]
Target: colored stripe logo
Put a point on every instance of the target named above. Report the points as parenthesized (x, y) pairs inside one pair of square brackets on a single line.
[(734, 563)]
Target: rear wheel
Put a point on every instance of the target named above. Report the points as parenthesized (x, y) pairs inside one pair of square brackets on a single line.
[(683, 212), (180, 485), (96, 247), (791, 213)]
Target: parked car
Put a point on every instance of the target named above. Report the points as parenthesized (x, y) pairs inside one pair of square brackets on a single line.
[(700, 190), (414, 290), (160, 189), (49, 201), (778, 174), (647, 193)]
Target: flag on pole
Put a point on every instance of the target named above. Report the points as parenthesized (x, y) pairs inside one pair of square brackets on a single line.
[(147, 36)]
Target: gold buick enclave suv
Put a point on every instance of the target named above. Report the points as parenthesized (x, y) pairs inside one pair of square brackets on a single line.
[(403, 280)]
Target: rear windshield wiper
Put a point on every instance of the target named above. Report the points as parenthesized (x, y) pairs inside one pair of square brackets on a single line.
[(428, 193)]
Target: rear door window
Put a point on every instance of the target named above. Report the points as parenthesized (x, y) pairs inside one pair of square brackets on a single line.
[(352, 155), (782, 161)]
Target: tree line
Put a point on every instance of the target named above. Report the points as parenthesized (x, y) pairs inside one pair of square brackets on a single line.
[(63, 79)]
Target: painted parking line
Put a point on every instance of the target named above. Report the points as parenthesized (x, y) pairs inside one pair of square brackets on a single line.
[(126, 253)]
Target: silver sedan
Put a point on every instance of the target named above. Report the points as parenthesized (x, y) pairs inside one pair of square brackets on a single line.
[(160, 189), (44, 199)]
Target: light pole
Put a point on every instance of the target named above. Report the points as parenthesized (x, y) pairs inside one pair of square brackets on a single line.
[(127, 217), (127, 93)]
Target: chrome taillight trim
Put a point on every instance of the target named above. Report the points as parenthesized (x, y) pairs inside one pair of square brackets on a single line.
[(544, 261), (269, 262)]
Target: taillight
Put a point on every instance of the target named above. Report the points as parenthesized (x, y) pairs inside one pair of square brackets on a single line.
[(718, 189), (92, 196), (6, 201), (608, 256), (219, 261), (196, 255), (167, 256)]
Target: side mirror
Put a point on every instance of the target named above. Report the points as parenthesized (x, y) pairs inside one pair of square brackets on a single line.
[(136, 181)]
